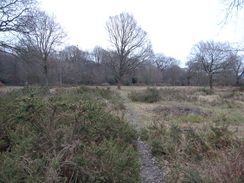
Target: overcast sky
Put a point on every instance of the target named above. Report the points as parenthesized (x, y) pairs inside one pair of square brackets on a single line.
[(173, 26)]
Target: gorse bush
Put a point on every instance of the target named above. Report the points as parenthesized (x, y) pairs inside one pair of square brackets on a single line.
[(65, 138), (241, 88), (206, 91), (104, 94), (149, 95)]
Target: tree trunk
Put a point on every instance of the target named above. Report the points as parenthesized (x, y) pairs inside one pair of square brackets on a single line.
[(211, 81), (119, 79), (237, 81), (46, 75), (188, 81), (119, 84)]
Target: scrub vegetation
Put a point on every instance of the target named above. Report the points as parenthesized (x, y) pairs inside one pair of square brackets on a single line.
[(66, 135), (196, 133)]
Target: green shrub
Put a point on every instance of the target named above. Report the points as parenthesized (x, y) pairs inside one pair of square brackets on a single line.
[(112, 80), (134, 80), (65, 138), (144, 134), (241, 88), (157, 147), (83, 89), (193, 118), (221, 136), (206, 91), (150, 95)]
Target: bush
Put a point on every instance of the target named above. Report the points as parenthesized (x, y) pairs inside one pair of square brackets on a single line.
[(65, 138), (112, 81), (150, 95), (241, 88), (134, 80), (206, 91)]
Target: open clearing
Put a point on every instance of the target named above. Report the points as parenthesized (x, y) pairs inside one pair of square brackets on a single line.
[(179, 102), (192, 131)]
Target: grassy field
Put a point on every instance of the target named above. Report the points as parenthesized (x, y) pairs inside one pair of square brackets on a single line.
[(197, 133)]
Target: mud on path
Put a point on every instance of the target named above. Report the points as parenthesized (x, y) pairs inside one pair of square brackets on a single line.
[(150, 171)]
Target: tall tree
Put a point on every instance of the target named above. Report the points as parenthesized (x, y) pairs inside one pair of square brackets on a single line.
[(44, 35), (237, 65), (212, 56), (131, 45), (13, 19)]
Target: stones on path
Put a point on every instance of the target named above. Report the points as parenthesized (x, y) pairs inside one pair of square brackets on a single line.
[(150, 171)]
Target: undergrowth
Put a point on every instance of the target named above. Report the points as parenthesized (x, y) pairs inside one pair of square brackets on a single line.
[(195, 138), (66, 137), (189, 152), (149, 95)]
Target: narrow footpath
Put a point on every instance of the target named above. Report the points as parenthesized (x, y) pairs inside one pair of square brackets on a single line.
[(150, 171)]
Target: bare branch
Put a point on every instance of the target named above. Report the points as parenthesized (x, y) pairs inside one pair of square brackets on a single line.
[(130, 42), (212, 56)]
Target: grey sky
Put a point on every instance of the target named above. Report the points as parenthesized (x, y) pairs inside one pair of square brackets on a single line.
[(173, 26)]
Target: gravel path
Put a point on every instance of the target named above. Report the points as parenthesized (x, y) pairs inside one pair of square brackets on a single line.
[(150, 171)]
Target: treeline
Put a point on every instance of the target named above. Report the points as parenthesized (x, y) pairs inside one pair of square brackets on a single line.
[(73, 66)]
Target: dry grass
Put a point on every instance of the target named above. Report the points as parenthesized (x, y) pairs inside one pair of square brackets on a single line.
[(217, 122), (5, 89)]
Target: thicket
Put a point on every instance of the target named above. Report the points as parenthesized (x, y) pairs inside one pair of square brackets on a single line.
[(69, 136), (149, 95)]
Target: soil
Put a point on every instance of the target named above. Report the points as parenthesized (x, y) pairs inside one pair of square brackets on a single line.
[(150, 171)]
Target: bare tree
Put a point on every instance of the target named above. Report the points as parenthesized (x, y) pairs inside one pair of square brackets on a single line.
[(190, 72), (13, 18), (147, 73), (237, 65), (212, 56), (130, 42), (78, 66), (98, 54), (44, 35), (173, 76), (73, 54), (195, 73), (10, 69), (232, 7), (163, 62)]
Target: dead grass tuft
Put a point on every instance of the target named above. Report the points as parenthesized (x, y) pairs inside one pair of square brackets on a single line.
[(179, 110)]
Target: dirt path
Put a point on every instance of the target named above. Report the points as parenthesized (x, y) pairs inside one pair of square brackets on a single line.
[(150, 171)]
